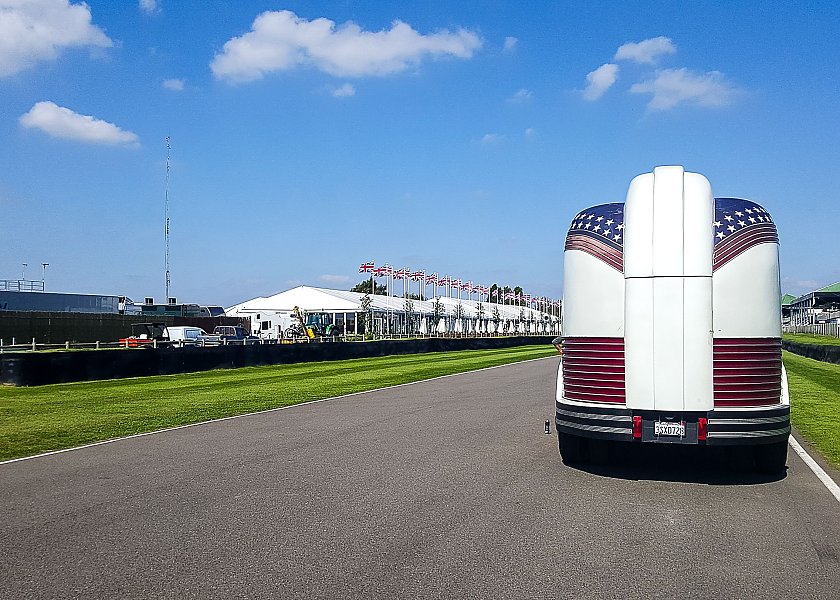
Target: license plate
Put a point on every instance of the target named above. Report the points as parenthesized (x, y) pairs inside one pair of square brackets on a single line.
[(668, 428)]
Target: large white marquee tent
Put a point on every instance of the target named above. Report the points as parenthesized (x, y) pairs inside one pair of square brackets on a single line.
[(271, 315)]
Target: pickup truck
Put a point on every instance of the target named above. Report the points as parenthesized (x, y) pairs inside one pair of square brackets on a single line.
[(231, 334), (145, 335), (190, 336)]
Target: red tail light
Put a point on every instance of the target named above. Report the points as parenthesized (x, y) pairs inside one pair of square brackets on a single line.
[(702, 428), (637, 427)]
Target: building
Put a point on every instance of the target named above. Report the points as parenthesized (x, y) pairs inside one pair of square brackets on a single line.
[(821, 306), (272, 315), (58, 302)]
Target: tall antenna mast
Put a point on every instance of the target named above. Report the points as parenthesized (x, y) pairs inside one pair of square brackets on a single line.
[(166, 214)]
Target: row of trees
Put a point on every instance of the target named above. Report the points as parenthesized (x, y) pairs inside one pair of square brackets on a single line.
[(364, 287)]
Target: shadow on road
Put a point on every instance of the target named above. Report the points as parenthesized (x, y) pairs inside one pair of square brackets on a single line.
[(671, 462)]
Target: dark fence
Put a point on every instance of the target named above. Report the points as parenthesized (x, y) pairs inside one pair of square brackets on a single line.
[(60, 327), (825, 353), (41, 368)]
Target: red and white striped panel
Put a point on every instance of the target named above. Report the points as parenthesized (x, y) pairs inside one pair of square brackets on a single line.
[(747, 371), (593, 369)]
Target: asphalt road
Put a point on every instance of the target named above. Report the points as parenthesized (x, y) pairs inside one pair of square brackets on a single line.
[(443, 489)]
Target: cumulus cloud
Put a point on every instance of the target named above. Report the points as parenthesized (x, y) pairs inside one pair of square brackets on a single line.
[(510, 44), (32, 31), (176, 85), (599, 81), (646, 51), (344, 91), (490, 138), (280, 41), (334, 279), (671, 87), (521, 96), (149, 7), (61, 122)]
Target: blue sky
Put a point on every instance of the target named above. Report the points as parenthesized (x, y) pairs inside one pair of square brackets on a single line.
[(457, 137)]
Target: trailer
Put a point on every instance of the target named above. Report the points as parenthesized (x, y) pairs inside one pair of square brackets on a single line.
[(672, 323)]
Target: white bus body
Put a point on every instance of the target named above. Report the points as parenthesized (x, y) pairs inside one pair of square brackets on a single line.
[(672, 322)]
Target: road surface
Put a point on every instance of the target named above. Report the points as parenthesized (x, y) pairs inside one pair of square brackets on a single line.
[(443, 489)]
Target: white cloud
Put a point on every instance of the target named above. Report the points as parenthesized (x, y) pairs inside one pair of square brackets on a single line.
[(280, 41), (646, 51), (37, 30), (176, 85), (599, 81), (490, 138), (510, 44), (335, 279), (671, 87), (521, 96), (149, 7), (344, 91), (61, 122)]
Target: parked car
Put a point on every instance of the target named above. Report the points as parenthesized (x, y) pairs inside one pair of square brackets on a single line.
[(191, 336), (233, 334)]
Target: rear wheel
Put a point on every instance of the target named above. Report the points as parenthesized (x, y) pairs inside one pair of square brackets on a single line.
[(770, 458), (572, 448)]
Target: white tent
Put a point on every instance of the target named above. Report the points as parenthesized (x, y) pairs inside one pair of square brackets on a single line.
[(441, 326), (277, 308), (424, 329)]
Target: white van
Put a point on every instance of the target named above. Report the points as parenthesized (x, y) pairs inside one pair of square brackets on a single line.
[(190, 336)]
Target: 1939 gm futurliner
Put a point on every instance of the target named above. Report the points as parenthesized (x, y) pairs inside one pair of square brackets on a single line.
[(672, 323)]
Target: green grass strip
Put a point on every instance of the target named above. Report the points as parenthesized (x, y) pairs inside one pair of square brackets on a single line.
[(807, 338), (815, 402), (52, 417)]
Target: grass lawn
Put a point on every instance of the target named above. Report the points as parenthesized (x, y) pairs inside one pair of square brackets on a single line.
[(815, 402), (807, 338), (51, 417)]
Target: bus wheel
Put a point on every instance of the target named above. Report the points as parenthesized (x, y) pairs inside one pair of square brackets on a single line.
[(572, 448), (770, 458)]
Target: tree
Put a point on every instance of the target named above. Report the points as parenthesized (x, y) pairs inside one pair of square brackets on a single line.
[(437, 308), (363, 287), (459, 311), (367, 308), (496, 316), (409, 315)]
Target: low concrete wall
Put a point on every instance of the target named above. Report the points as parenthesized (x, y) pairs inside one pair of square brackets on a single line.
[(41, 368), (825, 353)]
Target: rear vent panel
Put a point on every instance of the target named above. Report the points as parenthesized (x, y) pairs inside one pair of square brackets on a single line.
[(747, 371), (593, 369)]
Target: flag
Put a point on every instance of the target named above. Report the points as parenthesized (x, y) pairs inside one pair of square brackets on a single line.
[(366, 267), (739, 225), (402, 273), (599, 231), (417, 276), (433, 278)]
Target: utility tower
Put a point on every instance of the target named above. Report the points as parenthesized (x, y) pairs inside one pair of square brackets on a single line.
[(166, 216)]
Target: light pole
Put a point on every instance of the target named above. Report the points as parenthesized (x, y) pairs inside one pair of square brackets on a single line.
[(23, 271), (44, 275)]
